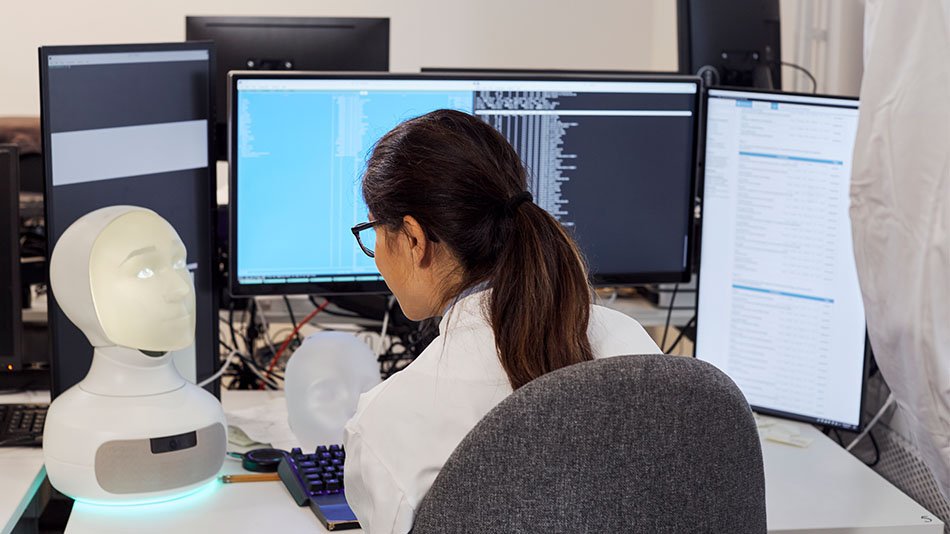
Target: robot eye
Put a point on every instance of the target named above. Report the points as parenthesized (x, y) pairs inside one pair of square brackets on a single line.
[(145, 273)]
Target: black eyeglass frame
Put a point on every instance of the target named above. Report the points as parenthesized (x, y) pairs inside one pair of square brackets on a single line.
[(356, 233)]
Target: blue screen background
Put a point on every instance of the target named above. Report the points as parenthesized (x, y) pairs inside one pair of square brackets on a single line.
[(300, 156)]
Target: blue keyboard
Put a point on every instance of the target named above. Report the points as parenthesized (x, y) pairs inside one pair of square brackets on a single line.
[(317, 480)]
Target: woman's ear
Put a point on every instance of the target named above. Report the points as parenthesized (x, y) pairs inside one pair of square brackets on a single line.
[(419, 245)]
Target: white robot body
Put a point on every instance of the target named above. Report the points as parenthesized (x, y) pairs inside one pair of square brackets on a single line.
[(133, 430), (131, 450)]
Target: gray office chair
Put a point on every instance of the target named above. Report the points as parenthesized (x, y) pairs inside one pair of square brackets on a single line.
[(627, 444)]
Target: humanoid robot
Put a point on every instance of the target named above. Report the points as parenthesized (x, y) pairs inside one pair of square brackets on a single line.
[(133, 430)]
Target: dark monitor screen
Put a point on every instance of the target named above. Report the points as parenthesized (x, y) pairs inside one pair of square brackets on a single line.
[(130, 124), (731, 42), (11, 322), (780, 309), (288, 43), (611, 159)]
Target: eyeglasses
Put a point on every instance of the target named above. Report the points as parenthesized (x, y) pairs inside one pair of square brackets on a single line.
[(367, 240)]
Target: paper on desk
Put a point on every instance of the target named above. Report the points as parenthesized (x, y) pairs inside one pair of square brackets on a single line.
[(773, 430), (266, 423)]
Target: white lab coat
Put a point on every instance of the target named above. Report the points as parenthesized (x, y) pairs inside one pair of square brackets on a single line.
[(405, 429), (900, 213)]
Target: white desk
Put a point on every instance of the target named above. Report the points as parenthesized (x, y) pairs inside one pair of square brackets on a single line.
[(21, 470), (821, 488)]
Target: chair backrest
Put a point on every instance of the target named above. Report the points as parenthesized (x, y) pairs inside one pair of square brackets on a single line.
[(647, 443)]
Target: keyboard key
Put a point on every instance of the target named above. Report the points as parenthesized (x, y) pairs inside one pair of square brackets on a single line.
[(22, 422)]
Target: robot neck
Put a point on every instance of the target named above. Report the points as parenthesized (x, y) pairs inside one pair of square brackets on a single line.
[(124, 372)]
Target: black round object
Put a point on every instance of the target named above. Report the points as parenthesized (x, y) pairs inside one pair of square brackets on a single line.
[(263, 460)]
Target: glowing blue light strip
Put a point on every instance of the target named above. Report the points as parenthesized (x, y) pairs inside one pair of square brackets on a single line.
[(158, 504)]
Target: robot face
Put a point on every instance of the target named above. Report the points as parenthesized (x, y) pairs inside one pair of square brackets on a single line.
[(142, 290)]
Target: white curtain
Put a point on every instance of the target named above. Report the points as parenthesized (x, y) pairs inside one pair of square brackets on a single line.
[(900, 212)]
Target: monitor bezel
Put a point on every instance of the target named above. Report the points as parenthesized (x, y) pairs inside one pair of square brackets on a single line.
[(344, 288), (867, 353), (10, 171)]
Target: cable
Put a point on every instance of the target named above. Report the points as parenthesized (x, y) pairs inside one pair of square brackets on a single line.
[(880, 413), (877, 451), (265, 326), (382, 333), (256, 370), (290, 313), (814, 82), (231, 322), (669, 314), (283, 347), (335, 313), (216, 375), (680, 336), (253, 367)]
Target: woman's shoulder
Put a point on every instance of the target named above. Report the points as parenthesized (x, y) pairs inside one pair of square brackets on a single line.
[(613, 333)]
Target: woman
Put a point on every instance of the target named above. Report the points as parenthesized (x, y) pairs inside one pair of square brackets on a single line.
[(457, 235)]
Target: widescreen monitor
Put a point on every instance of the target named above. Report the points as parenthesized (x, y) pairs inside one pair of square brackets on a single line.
[(612, 159)]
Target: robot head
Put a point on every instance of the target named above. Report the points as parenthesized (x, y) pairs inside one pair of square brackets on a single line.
[(324, 380), (120, 275)]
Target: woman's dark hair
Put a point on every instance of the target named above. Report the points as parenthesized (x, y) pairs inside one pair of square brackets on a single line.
[(465, 185)]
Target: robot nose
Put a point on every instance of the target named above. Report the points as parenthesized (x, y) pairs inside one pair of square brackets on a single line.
[(177, 290)]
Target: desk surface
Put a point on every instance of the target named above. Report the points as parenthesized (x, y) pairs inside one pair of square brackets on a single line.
[(821, 488), (21, 470), (824, 488)]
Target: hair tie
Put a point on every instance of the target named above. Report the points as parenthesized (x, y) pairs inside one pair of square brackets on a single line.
[(512, 205)]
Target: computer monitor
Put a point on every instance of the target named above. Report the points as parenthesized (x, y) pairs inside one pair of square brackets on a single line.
[(612, 159), (130, 124), (731, 42), (287, 43), (11, 314), (780, 309)]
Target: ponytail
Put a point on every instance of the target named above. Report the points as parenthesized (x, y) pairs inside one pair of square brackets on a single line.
[(465, 185), (540, 303)]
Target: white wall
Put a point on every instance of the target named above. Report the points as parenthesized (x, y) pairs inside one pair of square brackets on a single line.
[(822, 35), (827, 38), (593, 34)]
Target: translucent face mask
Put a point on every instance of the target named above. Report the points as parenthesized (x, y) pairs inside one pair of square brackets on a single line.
[(324, 380), (142, 290)]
